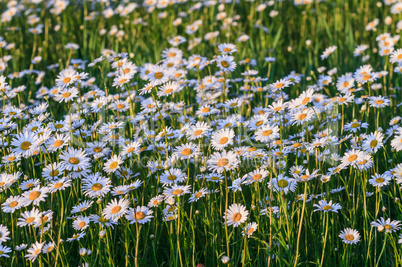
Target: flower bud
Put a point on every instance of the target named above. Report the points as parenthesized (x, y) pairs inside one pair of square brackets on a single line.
[(225, 259)]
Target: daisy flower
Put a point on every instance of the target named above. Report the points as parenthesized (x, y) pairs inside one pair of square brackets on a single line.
[(349, 236), (325, 206), (34, 251), (25, 143), (12, 204), (35, 196), (379, 102), (223, 161), (177, 190), (227, 48), (256, 176), (302, 116), (29, 217), (200, 130), (141, 214), (113, 164), (352, 157), (396, 143), (131, 148), (214, 177), (66, 95), (222, 139), (66, 77), (81, 223), (267, 133), (4, 250), (158, 74), (172, 176), (279, 85), (57, 142), (283, 183), (249, 229), (121, 80), (49, 247), (226, 63), (77, 237), (96, 186), (74, 159), (82, 206), (328, 51), (236, 215), (53, 171), (186, 151), (115, 209), (355, 126), (396, 56), (197, 195), (4, 233), (386, 225), (58, 185), (373, 142), (379, 180)]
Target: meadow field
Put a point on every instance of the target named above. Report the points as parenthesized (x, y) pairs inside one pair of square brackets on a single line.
[(200, 133)]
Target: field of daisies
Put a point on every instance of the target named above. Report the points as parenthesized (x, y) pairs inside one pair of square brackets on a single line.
[(200, 133)]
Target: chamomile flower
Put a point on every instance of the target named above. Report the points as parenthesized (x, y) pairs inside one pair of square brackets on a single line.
[(379, 180), (226, 63), (96, 186), (224, 161), (115, 209), (74, 159), (35, 196), (350, 236), (249, 229), (4, 250), (82, 206), (198, 194), (283, 183), (29, 217), (267, 133), (386, 226), (373, 142), (34, 251), (222, 139), (325, 206), (328, 51), (81, 223), (113, 164), (186, 151), (141, 215), (236, 215), (4, 234), (227, 48)]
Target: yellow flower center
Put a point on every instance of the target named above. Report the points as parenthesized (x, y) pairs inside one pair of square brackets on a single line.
[(96, 187), (74, 160), (25, 145), (282, 183), (139, 215), (236, 217), (349, 237), (222, 162), (116, 209), (34, 195), (186, 152)]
